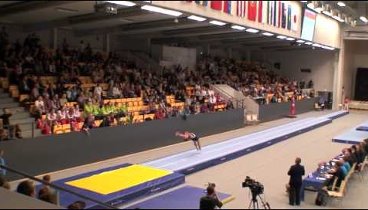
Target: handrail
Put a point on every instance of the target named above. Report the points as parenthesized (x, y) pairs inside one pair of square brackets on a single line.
[(57, 187)]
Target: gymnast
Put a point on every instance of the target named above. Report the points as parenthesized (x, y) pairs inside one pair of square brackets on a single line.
[(186, 135)]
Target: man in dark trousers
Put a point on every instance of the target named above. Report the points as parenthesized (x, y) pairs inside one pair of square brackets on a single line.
[(210, 201), (296, 172)]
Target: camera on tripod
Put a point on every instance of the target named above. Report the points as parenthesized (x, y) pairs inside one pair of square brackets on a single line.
[(255, 187)]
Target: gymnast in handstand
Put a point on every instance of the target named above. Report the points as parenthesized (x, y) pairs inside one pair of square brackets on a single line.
[(186, 135)]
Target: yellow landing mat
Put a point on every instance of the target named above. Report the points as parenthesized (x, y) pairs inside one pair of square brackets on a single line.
[(116, 180)]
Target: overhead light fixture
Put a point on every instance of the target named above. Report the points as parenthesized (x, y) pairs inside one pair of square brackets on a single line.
[(252, 30), (123, 3), (197, 18), (161, 10), (216, 22), (316, 45), (267, 34), (364, 19), (308, 43), (327, 48), (281, 37), (290, 39), (338, 17), (341, 4), (300, 41), (240, 28)]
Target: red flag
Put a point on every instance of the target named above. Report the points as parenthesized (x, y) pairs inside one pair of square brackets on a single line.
[(241, 8), (252, 10), (279, 15), (227, 7), (216, 5), (260, 11)]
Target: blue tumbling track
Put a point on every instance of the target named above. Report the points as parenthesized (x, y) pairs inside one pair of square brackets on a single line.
[(121, 197), (192, 161), (353, 136)]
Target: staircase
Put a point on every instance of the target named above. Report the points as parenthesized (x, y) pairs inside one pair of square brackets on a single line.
[(20, 115), (251, 108)]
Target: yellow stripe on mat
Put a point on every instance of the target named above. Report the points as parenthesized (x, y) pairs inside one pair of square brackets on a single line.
[(116, 180), (228, 200)]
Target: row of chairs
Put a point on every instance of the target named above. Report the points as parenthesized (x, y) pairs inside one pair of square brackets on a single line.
[(339, 194)]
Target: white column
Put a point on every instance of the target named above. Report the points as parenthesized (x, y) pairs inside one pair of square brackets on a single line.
[(338, 76)]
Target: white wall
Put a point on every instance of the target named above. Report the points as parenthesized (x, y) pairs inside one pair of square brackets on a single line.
[(321, 63), (327, 31), (356, 55)]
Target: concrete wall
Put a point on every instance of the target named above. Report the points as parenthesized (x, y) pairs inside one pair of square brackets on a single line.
[(321, 62), (355, 56), (53, 153), (280, 110), (327, 31)]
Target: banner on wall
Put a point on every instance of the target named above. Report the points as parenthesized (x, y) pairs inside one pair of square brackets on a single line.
[(280, 14)]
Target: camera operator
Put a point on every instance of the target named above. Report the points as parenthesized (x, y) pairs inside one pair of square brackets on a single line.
[(210, 201)]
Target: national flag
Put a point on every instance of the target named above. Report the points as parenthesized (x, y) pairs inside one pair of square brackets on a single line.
[(279, 15), (241, 8), (260, 11), (252, 10), (216, 5), (289, 17), (205, 3), (264, 12), (271, 11), (294, 20), (227, 7), (284, 15), (274, 13)]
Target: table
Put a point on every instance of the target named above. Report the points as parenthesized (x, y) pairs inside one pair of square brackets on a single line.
[(318, 179)]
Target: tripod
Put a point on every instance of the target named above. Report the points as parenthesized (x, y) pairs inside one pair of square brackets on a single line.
[(254, 202)]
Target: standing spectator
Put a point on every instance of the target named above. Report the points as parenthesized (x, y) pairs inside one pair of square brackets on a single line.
[(2, 162), (210, 201), (296, 172)]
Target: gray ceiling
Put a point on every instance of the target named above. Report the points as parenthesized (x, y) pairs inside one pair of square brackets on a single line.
[(80, 16)]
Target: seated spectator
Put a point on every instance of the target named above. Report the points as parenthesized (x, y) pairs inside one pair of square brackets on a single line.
[(338, 173), (89, 123), (63, 100), (77, 205), (52, 117), (18, 132), (26, 188), (40, 107), (46, 193)]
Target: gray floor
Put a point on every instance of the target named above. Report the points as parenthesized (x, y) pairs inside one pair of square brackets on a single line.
[(269, 165)]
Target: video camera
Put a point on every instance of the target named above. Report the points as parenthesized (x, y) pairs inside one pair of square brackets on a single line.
[(255, 187)]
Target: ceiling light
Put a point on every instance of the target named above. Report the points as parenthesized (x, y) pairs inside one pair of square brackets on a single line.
[(240, 28), (123, 3), (219, 23), (316, 45), (290, 39), (308, 43), (300, 41), (161, 10), (327, 48), (364, 19), (197, 18), (252, 30), (281, 37), (341, 4), (267, 34)]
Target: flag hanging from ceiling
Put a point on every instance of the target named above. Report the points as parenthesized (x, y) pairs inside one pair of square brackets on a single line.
[(289, 17), (284, 15), (275, 10), (216, 5), (260, 11), (264, 12), (241, 8), (227, 7), (271, 12), (252, 10), (294, 20), (279, 15)]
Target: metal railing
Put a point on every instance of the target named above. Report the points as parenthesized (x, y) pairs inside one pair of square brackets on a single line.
[(23, 174)]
